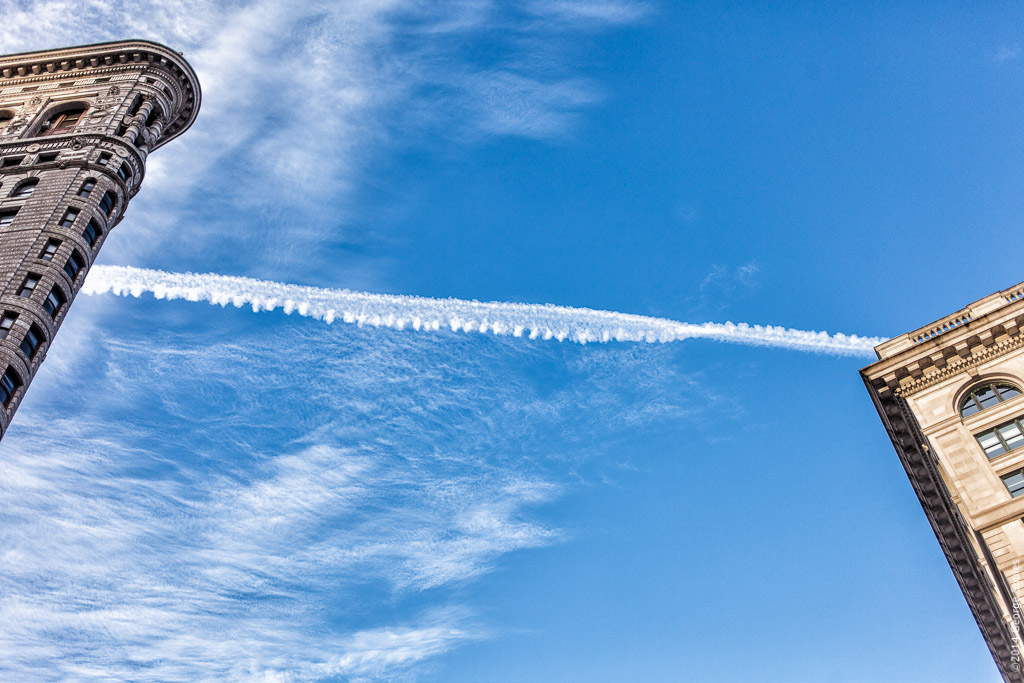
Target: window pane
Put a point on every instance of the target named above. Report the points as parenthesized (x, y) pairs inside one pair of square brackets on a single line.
[(1011, 434), (1008, 392), (991, 444), (1015, 483), (987, 397), (970, 407)]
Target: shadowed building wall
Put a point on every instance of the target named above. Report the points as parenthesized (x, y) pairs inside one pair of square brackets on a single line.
[(76, 127), (951, 396)]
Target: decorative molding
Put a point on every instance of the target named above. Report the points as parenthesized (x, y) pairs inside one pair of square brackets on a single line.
[(962, 365)]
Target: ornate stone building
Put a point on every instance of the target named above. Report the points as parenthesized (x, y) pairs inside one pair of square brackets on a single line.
[(951, 396), (76, 127)]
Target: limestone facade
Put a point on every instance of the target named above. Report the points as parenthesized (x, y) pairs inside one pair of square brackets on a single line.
[(964, 475), (76, 127)]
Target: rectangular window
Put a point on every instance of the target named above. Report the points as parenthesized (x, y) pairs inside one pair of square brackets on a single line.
[(1003, 439), (11, 161), (9, 384), (87, 187), (74, 265), (91, 233), (124, 172), (54, 300), (6, 323), (1015, 483), (69, 218), (50, 249), (29, 285), (104, 159), (31, 343), (7, 217), (48, 157)]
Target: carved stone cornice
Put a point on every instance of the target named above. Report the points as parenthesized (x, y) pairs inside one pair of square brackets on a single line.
[(956, 366)]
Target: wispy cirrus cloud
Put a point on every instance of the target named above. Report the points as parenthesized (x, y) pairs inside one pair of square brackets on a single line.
[(311, 95), (292, 503)]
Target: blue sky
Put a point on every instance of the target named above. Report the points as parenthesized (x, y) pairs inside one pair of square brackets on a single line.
[(195, 493)]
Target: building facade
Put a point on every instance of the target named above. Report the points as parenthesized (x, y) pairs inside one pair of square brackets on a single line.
[(76, 127), (951, 396)]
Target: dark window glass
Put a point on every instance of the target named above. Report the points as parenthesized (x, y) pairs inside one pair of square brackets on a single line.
[(6, 323), (87, 187), (73, 265), (11, 161), (54, 300), (29, 285), (91, 233), (25, 189), (64, 122), (987, 395), (107, 203), (50, 249), (104, 159), (5, 118), (69, 218), (48, 157), (124, 172), (9, 383), (7, 217), (32, 341)]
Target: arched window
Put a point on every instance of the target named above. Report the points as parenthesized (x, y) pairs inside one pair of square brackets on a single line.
[(54, 301), (31, 342), (92, 233), (108, 202), (5, 118), (25, 189), (63, 122), (9, 383), (86, 188), (74, 265), (987, 395)]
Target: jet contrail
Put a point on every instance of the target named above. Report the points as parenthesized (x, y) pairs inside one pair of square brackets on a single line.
[(535, 321)]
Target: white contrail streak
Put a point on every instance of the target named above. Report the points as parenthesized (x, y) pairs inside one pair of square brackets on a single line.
[(544, 321)]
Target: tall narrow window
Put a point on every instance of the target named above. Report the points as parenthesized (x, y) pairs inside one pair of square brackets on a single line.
[(25, 189), (63, 122), (86, 188), (69, 218), (124, 172), (74, 265), (54, 301), (91, 233), (32, 341), (7, 217), (5, 118), (108, 202), (6, 323), (29, 285), (52, 245), (9, 383)]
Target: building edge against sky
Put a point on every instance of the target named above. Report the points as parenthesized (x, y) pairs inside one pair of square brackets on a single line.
[(76, 127), (951, 396)]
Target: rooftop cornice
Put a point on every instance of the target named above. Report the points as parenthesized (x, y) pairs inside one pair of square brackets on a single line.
[(25, 67), (985, 332)]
